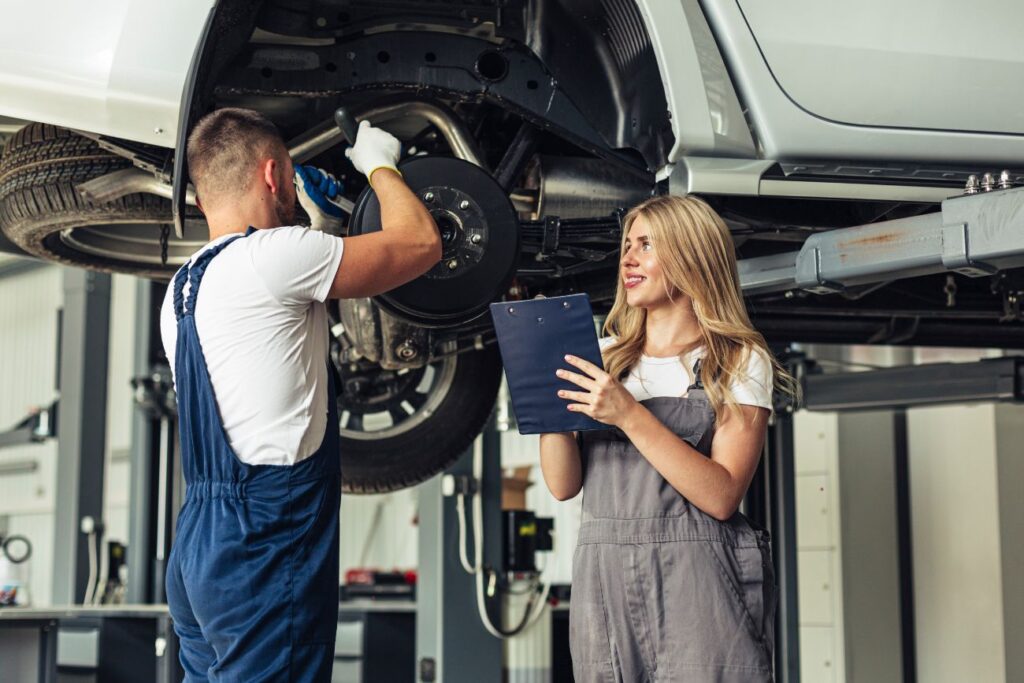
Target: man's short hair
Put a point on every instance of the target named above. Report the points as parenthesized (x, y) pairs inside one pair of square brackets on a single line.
[(225, 145)]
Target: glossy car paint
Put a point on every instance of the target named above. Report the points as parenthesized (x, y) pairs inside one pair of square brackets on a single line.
[(114, 67), (744, 80)]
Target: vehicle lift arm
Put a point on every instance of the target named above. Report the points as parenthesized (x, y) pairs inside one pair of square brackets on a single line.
[(974, 235)]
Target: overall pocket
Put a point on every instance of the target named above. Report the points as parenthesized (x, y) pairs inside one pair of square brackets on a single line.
[(588, 618)]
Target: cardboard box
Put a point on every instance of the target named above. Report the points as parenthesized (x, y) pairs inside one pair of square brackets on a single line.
[(514, 482)]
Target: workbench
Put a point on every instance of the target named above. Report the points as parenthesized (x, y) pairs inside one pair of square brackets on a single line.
[(376, 641), (115, 643)]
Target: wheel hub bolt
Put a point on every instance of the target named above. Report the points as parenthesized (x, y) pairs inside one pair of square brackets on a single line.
[(407, 350), (476, 239), (453, 264), (428, 196), (464, 204)]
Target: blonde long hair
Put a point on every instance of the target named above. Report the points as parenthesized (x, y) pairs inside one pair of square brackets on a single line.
[(696, 253)]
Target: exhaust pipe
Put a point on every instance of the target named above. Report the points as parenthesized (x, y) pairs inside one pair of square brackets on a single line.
[(326, 135), (578, 188), (320, 138)]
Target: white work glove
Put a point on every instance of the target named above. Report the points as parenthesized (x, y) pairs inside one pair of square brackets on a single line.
[(319, 195), (374, 149)]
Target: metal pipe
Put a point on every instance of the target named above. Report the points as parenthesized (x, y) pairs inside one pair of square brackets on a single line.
[(316, 140), (454, 131), (524, 201), (113, 186), (326, 134), (162, 510), (323, 136)]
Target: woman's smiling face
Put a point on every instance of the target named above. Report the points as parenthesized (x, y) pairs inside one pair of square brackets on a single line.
[(641, 273)]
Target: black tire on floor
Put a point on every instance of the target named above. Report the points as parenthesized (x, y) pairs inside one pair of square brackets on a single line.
[(39, 169), (406, 459)]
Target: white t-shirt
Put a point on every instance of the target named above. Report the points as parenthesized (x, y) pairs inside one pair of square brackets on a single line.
[(263, 328), (654, 376)]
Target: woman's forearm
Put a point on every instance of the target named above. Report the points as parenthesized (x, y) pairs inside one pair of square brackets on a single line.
[(704, 482), (561, 465)]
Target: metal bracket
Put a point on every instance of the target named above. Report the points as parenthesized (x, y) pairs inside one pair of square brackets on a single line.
[(956, 254), (824, 285), (552, 234), (38, 426), (403, 345)]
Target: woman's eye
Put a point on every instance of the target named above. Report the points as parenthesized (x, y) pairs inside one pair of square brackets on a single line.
[(646, 246)]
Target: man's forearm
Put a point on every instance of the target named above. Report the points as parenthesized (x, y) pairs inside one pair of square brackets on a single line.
[(399, 206)]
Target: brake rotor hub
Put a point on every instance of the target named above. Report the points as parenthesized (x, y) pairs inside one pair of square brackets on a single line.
[(479, 236)]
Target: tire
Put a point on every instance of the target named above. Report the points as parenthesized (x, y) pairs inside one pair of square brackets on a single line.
[(42, 212), (418, 452)]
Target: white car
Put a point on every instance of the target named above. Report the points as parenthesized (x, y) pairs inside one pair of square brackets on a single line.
[(527, 125)]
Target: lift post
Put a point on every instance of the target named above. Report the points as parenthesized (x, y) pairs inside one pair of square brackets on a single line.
[(451, 642)]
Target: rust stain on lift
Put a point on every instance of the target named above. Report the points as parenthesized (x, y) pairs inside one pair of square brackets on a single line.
[(880, 240), (884, 238)]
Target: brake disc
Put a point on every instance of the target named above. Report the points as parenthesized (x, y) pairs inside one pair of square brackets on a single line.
[(479, 234)]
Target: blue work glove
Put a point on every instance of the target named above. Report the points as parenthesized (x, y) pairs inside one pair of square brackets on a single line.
[(319, 194)]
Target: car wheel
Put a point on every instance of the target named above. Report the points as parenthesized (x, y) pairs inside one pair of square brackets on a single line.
[(401, 427), (42, 211)]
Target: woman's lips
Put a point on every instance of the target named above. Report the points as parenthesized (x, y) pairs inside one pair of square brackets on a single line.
[(634, 281)]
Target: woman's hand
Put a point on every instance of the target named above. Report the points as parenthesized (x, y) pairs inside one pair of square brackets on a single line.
[(604, 398)]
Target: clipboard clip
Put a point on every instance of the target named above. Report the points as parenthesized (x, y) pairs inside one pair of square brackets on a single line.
[(511, 308)]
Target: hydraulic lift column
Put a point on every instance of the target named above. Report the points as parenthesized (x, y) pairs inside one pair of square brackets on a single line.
[(451, 642)]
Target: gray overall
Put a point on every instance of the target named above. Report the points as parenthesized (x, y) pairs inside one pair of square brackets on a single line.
[(662, 591)]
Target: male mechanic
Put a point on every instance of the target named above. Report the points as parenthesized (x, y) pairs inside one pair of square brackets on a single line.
[(252, 581)]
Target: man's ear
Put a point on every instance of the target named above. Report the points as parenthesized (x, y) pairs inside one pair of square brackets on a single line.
[(270, 173)]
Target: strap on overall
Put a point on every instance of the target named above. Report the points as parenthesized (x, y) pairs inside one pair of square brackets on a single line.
[(194, 274), (697, 382)]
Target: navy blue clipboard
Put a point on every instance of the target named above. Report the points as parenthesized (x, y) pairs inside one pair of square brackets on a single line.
[(534, 337)]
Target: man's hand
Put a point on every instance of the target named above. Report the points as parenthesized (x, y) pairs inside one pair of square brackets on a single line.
[(319, 194), (374, 149)]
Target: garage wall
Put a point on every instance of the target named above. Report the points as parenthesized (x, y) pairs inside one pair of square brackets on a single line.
[(819, 548), (29, 303), (379, 531), (957, 568), (28, 360), (1009, 477)]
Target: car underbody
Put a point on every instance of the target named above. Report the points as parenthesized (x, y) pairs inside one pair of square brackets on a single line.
[(528, 127)]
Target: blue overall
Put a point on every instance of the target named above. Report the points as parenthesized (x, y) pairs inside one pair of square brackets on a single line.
[(252, 580)]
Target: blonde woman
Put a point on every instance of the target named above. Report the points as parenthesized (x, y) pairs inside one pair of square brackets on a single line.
[(670, 582)]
